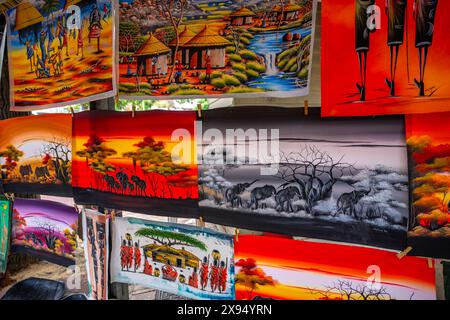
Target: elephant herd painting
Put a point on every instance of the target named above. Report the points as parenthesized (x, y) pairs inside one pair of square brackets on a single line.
[(335, 179)]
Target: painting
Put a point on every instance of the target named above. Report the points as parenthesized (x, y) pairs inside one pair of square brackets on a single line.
[(192, 262), (2, 47), (131, 163), (339, 179), (8, 4), (192, 48), (35, 154), (61, 52), (5, 227), (96, 252), (385, 57), (45, 229), (286, 269), (429, 164)]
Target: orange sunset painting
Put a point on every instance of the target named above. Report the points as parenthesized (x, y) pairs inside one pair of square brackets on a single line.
[(270, 267), (35, 154), (125, 162), (429, 163)]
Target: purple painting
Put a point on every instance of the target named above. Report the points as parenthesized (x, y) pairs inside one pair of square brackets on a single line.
[(45, 229)]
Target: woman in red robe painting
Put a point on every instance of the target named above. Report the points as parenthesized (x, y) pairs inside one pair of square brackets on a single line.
[(148, 268), (123, 254), (223, 275), (137, 257), (204, 272), (193, 279)]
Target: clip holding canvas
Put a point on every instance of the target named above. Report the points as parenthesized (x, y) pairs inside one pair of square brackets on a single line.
[(72, 111), (236, 234), (430, 263), (201, 222), (305, 108), (199, 110), (133, 109), (400, 255)]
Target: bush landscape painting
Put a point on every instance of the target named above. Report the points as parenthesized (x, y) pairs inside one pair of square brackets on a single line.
[(429, 162), (45, 229), (280, 268), (192, 262), (385, 57), (61, 52), (187, 48), (35, 154), (5, 235), (125, 162), (96, 252), (337, 179)]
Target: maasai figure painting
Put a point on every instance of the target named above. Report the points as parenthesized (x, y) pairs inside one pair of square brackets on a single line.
[(5, 235), (35, 154), (45, 229), (184, 260), (279, 268), (96, 252), (189, 48), (341, 179), (429, 162), (385, 57), (61, 52), (132, 163)]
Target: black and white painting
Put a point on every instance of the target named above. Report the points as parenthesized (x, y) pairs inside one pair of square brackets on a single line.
[(337, 179)]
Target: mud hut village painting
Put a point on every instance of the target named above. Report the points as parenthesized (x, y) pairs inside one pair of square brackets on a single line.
[(60, 52), (197, 47)]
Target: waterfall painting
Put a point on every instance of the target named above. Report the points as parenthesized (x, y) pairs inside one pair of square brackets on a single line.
[(285, 269), (385, 57), (340, 179), (192, 48)]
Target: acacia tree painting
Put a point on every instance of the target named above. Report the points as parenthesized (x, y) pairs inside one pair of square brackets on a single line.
[(347, 290), (170, 238), (12, 156), (58, 154), (251, 276)]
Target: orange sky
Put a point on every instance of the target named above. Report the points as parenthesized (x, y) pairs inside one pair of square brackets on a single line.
[(434, 125)]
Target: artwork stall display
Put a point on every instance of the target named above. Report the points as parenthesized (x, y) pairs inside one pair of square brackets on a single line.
[(35, 154), (96, 252), (45, 229), (192, 48), (8, 4), (278, 268), (192, 262), (136, 163), (341, 179), (5, 234), (2, 46), (385, 57), (61, 52), (428, 140)]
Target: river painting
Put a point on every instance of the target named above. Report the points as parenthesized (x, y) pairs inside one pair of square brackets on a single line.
[(336, 179), (220, 48)]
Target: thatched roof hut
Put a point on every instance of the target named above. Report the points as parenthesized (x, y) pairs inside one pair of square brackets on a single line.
[(152, 57), (242, 16), (27, 15), (183, 53)]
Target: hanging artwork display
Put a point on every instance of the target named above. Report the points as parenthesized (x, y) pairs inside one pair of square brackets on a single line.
[(385, 57), (136, 163), (2, 46), (60, 52), (35, 154), (429, 164), (96, 252), (5, 227), (8, 4), (45, 229), (341, 179), (190, 48), (184, 260), (277, 268)]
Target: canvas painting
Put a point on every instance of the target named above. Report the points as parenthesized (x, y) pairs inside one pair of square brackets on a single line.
[(341, 179), (385, 57), (5, 235), (96, 252), (285, 269), (184, 260), (429, 164), (132, 163), (8, 4), (61, 52), (35, 154), (191, 48), (45, 229), (2, 47)]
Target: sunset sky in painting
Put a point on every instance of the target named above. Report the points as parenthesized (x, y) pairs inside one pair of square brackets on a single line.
[(427, 125), (299, 265)]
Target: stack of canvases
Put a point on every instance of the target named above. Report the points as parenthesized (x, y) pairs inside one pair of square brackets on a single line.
[(341, 179)]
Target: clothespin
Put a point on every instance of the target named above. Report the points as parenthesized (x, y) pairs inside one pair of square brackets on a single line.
[(305, 108), (201, 222), (400, 255), (133, 108), (72, 111), (199, 110), (236, 234), (430, 263)]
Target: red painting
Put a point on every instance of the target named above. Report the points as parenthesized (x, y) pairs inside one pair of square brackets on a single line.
[(385, 57), (278, 268), (429, 164), (129, 162)]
